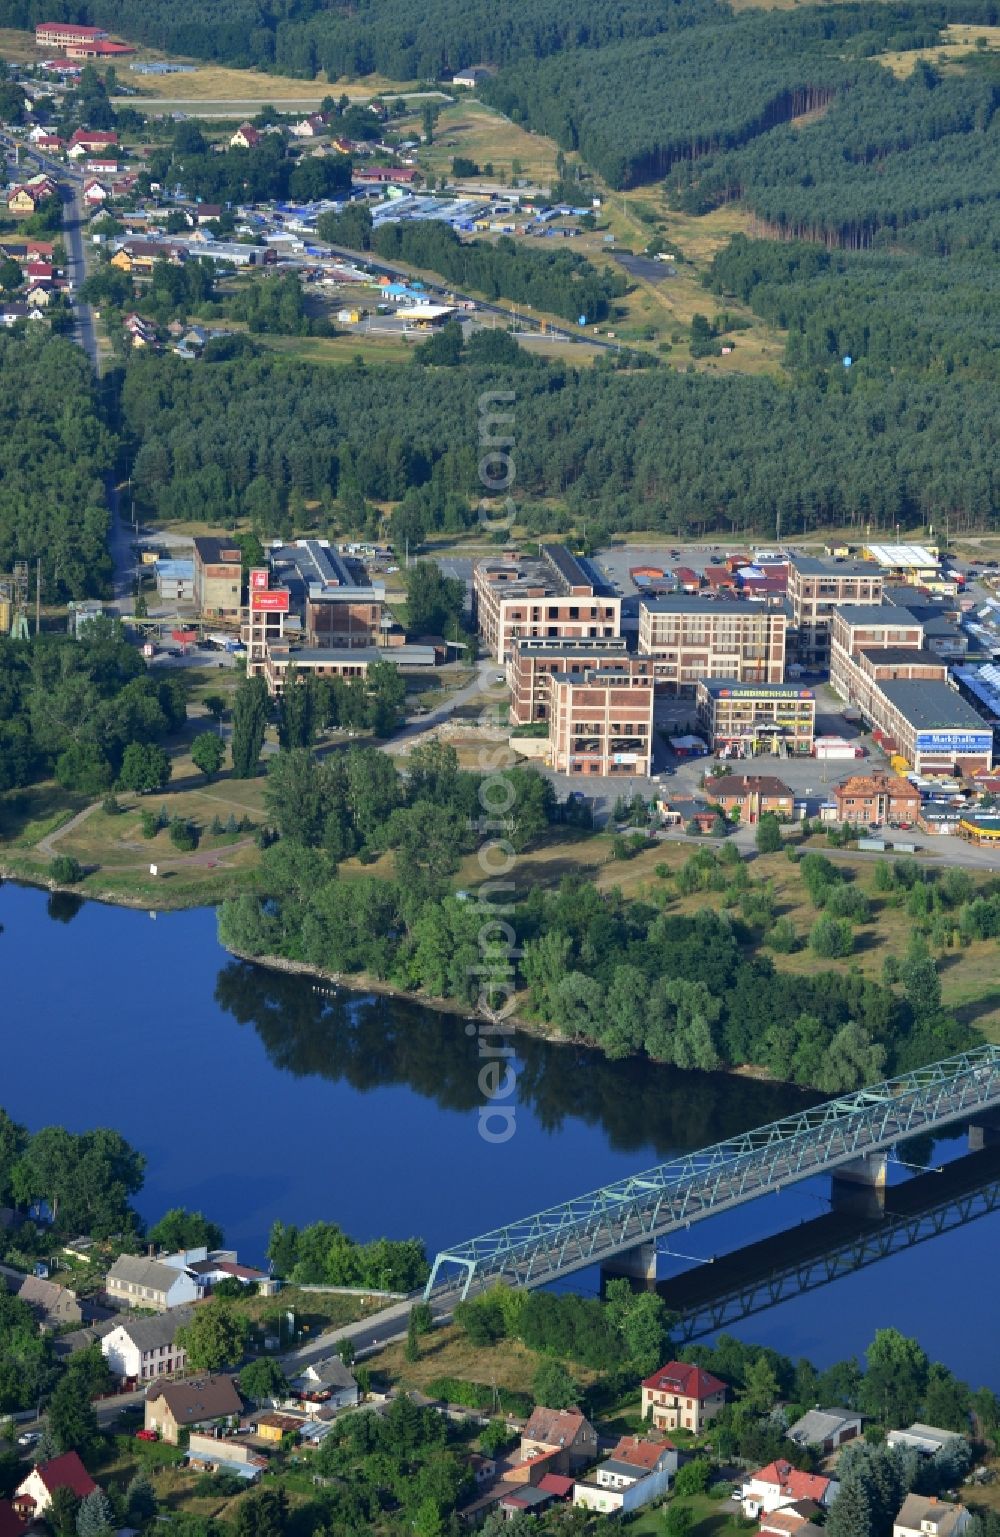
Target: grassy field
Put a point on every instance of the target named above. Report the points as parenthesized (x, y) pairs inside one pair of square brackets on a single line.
[(373, 346), (479, 133), (958, 40), (447, 1352)]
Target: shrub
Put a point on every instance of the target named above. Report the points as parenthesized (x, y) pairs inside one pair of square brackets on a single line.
[(782, 937), (65, 870), (110, 805), (831, 938), (848, 902), (150, 824), (183, 835)]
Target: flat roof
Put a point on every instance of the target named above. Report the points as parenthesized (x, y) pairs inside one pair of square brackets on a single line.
[(718, 687), (984, 683), (554, 646), (932, 705), (909, 555), (815, 565), (889, 655), (691, 603), (894, 614)]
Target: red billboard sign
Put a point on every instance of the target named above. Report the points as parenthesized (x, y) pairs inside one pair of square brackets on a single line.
[(259, 579), (270, 602)]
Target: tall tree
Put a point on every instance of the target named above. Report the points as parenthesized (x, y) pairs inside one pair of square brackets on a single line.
[(249, 726)]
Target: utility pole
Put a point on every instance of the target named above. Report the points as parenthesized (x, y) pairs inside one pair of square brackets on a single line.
[(38, 596)]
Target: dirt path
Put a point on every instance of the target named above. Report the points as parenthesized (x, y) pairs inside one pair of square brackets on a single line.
[(46, 845)]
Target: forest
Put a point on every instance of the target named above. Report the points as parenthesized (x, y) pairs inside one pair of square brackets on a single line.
[(54, 454), (302, 37), (557, 281), (244, 429)]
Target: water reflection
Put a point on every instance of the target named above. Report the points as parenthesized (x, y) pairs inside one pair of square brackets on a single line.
[(371, 1042), (63, 906)]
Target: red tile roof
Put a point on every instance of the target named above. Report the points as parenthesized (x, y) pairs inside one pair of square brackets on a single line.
[(66, 1472), (792, 1482), (641, 1454), (685, 1380)]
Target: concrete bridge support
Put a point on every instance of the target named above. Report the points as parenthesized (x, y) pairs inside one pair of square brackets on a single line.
[(984, 1131), (859, 1186), (638, 1264)]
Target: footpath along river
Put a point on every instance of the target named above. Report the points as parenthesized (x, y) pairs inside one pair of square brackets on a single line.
[(256, 1096)]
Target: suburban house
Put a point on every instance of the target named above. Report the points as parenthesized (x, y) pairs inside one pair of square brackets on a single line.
[(310, 127), (245, 137), (140, 1349), (28, 198), (150, 1283), (779, 1484), (751, 796), (175, 1406), (826, 1429), (94, 192), (682, 1397), (51, 1304), (218, 1265), (473, 76), (139, 257), (89, 141), (274, 1427), (563, 1431), (791, 1521), (636, 1472), (33, 1496), (923, 1517), (327, 1382)]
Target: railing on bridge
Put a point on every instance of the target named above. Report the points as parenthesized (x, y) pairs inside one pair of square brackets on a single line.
[(595, 1227)]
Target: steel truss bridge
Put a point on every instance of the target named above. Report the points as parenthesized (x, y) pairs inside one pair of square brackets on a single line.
[(820, 1251), (592, 1229)]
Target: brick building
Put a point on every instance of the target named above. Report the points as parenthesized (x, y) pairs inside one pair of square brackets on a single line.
[(680, 1396), (751, 796), (336, 603), (531, 664), (742, 720), (601, 722), (875, 799), (816, 588), (690, 638), (218, 578), (551, 596)]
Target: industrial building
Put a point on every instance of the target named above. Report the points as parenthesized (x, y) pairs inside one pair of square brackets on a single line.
[(918, 565), (532, 663), (690, 638), (816, 588), (932, 727), (218, 578), (331, 593), (326, 662), (602, 722), (551, 596), (175, 580), (742, 720)]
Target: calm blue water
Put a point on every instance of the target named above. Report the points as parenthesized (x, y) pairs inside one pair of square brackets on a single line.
[(255, 1098)]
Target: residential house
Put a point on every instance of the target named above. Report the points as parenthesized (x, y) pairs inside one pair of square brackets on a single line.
[(141, 333), (140, 1349), (28, 198), (526, 1499), (779, 1484), (473, 76), (49, 141), (33, 1495), (826, 1429), (679, 1396), (751, 796), (565, 1432), (150, 1283), (245, 137), (39, 271), (792, 1521), (636, 1472), (54, 1305), (923, 1517), (139, 257), (310, 127), (38, 296), (217, 1265), (102, 167), (94, 192), (11, 311), (90, 141), (175, 1406), (328, 1382)]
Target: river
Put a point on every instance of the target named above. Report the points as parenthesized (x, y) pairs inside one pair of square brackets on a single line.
[(256, 1096)]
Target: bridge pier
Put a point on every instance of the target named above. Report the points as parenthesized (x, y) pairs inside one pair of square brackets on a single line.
[(859, 1186), (984, 1131), (638, 1264)]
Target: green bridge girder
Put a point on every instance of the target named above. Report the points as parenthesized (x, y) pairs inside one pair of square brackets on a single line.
[(592, 1228)]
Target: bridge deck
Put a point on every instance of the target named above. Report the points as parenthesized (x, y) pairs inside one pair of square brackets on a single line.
[(595, 1227)]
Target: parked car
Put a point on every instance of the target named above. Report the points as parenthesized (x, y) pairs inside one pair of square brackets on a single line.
[(146, 1435), (29, 1438)]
